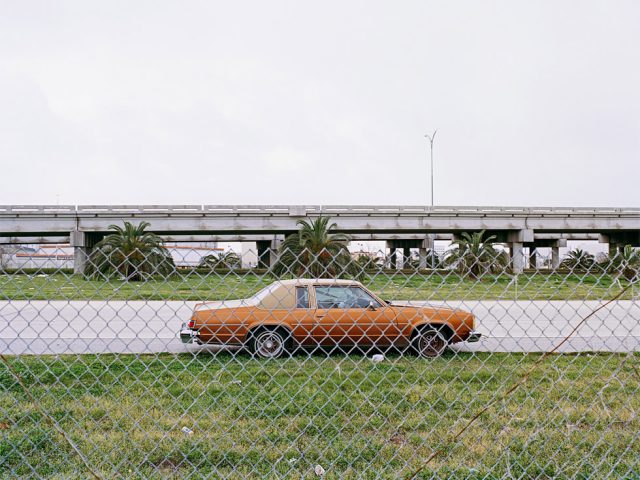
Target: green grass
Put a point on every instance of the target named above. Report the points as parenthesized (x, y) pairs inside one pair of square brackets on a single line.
[(398, 286), (576, 417)]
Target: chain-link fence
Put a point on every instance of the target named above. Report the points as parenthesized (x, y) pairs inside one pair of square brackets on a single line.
[(160, 361)]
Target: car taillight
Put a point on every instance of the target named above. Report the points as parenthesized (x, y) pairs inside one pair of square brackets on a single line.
[(192, 323)]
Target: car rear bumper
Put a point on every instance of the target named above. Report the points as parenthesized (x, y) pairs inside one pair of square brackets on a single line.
[(187, 335), (474, 337)]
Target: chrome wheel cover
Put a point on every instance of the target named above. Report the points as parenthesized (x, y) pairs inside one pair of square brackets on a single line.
[(430, 344), (269, 344)]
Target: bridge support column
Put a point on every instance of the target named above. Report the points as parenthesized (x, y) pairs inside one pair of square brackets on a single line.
[(393, 258), (262, 247), (422, 258), (516, 240), (274, 248), (533, 257), (268, 251), (555, 257), (517, 257), (400, 252), (78, 241), (406, 258), (544, 243), (425, 246)]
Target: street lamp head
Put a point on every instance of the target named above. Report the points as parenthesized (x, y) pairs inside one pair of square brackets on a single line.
[(432, 136)]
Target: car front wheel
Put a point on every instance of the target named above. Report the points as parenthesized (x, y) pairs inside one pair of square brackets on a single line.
[(269, 344), (429, 343)]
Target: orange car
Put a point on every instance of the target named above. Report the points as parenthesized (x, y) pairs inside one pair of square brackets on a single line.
[(304, 312)]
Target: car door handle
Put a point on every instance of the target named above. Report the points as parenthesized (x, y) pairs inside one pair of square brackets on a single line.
[(320, 316)]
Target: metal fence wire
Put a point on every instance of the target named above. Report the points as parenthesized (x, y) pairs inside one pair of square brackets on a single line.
[(317, 361)]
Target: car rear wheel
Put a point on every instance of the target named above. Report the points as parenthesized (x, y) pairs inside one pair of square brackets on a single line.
[(269, 344), (429, 343)]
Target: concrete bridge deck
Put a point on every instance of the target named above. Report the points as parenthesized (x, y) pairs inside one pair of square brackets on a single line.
[(401, 226)]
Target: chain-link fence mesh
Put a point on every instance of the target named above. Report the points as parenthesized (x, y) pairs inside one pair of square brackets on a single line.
[(160, 361)]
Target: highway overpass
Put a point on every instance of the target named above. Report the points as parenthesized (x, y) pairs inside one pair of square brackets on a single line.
[(402, 227)]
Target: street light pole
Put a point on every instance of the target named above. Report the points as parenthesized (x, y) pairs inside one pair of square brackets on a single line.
[(431, 138)]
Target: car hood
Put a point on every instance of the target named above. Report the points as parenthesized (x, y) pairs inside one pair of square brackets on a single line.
[(424, 305)]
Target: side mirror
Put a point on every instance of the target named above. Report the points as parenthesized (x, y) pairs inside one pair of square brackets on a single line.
[(372, 306)]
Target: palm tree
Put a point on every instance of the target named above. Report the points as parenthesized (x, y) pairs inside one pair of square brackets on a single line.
[(579, 260), (369, 262), (227, 260), (131, 252), (474, 255), (315, 251), (626, 264)]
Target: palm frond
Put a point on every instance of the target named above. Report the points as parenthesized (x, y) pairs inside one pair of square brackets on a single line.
[(316, 251), (130, 252)]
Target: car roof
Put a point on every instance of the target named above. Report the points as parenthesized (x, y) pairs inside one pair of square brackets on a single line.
[(281, 293), (318, 281)]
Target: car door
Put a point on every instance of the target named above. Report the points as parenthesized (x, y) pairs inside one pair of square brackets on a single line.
[(302, 317), (348, 315)]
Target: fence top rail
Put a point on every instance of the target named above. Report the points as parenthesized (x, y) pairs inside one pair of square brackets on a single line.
[(303, 210)]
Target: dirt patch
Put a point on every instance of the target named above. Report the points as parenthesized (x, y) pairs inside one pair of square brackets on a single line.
[(398, 440)]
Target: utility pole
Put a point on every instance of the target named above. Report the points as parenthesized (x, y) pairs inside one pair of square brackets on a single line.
[(431, 138)]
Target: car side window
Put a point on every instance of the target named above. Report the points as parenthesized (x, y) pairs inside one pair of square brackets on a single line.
[(328, 297), (343, 297), (302, 297), (361, 299)]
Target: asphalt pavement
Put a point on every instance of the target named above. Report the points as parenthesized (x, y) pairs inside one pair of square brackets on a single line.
[(62, 327)]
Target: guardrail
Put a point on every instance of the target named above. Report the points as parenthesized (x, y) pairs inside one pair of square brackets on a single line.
[(302, 210)]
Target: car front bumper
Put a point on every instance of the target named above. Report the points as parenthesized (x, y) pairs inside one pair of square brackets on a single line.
[(474, 337)]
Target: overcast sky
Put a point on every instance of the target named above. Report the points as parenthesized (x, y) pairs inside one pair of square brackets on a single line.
[(272, 102)]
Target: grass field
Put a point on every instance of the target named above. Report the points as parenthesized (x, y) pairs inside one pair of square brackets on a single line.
[(397, 286), (576, 417)]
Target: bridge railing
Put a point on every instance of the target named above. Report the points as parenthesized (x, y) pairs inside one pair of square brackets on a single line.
[(302, 210)]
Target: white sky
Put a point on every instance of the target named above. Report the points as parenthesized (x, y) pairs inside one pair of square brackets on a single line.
[(254, 102)]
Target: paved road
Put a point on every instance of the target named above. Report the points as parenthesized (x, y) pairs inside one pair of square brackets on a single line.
[(57, 327)]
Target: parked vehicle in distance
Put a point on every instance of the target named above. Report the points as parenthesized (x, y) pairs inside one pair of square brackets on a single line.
[(325, 312)]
